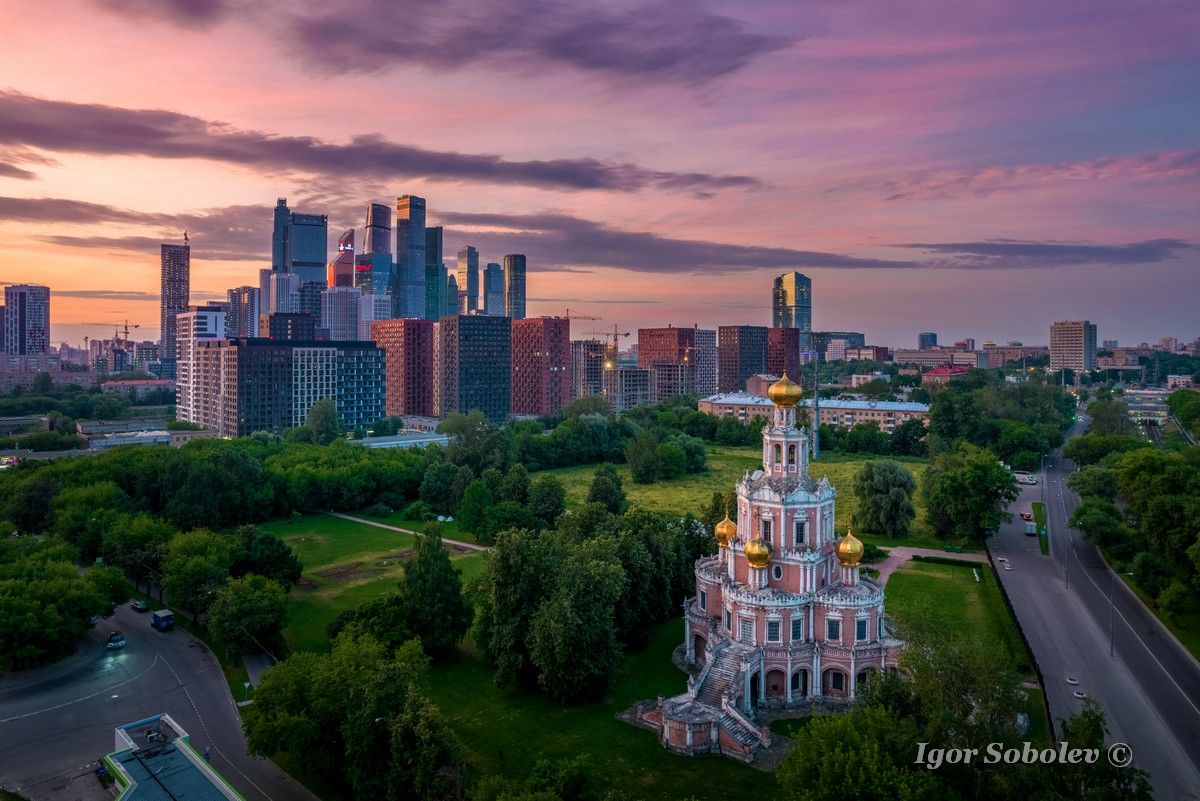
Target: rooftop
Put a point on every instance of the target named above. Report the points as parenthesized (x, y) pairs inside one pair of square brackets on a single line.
[(155, 763)]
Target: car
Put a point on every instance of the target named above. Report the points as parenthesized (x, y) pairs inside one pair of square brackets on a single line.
[(138, 606), (1007, 566), (1026, 516), (115, 640)]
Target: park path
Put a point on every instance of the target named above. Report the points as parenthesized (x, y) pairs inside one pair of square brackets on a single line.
[(470, 546), (902, 553)]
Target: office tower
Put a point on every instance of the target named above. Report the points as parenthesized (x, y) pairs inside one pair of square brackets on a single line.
[(310, 304), (308, 246), (341, 269), (541, 365), (408, 293), (468, 280), (514, 285), (476, 364), (408, 349), (264, 291), (283, 293), (493, 289), (249, 385), (377, 235), (1073, 345), (241, 312), (373, 273), (289, 326), (452, 297), (27, 319), (199, 324), (669, 352), (341, 313), (176, 263), (587, 367), (705, 359), (791, 302), (783, 352), (742, 352), (435, 274), (626, 387), (279, 235), (926, 340)]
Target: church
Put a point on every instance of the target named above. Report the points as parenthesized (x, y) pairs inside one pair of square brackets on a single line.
[(781, 617)]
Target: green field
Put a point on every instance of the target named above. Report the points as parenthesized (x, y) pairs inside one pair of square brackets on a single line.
[(726, 466), (949, 598), (346, 563), (505, 731)]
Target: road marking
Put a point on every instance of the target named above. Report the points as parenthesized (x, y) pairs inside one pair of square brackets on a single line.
[(84, 698)]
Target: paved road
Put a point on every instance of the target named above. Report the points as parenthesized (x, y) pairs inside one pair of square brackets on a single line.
[(470, 546), (56, 721), (1150, 688)]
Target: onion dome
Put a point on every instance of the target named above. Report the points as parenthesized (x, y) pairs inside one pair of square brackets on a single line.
[(785, 392), (758, 553), (849, 550), (725, 531)]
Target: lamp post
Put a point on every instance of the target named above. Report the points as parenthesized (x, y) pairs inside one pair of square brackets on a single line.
[(1112, 609)]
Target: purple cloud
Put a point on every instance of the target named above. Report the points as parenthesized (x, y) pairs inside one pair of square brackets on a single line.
[(1002, 253), (108, 130)]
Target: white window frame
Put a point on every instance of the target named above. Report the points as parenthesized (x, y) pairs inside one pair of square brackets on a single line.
[(704, 599), (862, 624), (798, 624), (831, 622), (777, 572), (778, 631), (742, 623)]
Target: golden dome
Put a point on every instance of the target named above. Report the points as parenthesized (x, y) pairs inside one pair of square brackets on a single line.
[(725, 531), (849, 550), (758, 553), (785, 392)]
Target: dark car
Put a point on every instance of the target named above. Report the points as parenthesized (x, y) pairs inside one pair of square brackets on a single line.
[(115, 640), (1026, 516), (138, 606)]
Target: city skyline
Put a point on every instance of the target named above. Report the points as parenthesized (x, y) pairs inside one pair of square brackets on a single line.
[(899, 159)]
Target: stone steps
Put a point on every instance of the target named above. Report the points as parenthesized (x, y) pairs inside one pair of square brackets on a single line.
[(735, 729)]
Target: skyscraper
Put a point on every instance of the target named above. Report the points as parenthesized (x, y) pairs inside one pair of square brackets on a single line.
[(341, 269), (514, 285), (241, 312), (176, 261), (791, 303), (308, 246), (742, 352), (1073, 345), (926, 340), (435, 274), (541, 365), (283, 293), (408, 293), (476, 364), (453, 298), (201, 323), (341, 312), (706, 362), (377, 235), (310, 304), (493, 290), (26, 319), (408, 349), (468, 280), (279, 234)]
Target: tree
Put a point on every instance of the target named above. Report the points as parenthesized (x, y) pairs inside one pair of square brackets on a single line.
[(195, 568), (323, 424), (866, 438), (672, 461), (547, 498), (606, 489), (1101, 779), (438, 487), (883, 492), (248, 613), (1099, 521), (908, 438), (966, 491), (506, 515), (641, 453), (472, 512), (515, 486), (265, 554), (425, 760), (431, 590), (1094, 482)]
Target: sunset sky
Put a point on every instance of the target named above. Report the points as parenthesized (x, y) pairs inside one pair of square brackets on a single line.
[(978, 169)]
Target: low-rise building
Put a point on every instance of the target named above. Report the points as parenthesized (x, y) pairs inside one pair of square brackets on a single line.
[(137, 388), (838, 413), (943, 374), (935, 357), (153, 759)]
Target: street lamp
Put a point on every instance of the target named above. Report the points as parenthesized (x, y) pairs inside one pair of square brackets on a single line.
[(1112, 582)]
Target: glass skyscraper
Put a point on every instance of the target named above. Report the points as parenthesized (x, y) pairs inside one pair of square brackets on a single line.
[(435, 274), (791, 304), (279, 236), (341, 269), (493, 289), (468, 279), (299, 243), (377, 235), (514, 285), (408, 291)]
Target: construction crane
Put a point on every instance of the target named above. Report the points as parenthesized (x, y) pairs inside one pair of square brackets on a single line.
[(612, 347), (122, 325), (570, 316)]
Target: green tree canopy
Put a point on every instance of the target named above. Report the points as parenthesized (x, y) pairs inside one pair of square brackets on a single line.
[(248, 614), (883, 492), (966, 491)]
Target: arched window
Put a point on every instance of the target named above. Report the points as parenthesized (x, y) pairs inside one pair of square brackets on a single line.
[(778, 453), (791, 454)]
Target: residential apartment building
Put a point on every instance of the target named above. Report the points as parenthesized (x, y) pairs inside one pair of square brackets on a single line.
[(705, 359), (27, 319), (201, 324), (838, 413), (939, 356), (783, 351), (541, 365), (475, 363), (587, 367), (408, 349), (626, 387), (1073, 345), (669, 351), (742, 352)]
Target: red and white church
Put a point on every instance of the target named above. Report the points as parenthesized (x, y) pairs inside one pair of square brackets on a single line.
[(781, 617)]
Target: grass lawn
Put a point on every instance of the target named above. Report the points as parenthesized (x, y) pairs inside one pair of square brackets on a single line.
[(346, 563), (1039, 519), (505, 731), (726, 466)]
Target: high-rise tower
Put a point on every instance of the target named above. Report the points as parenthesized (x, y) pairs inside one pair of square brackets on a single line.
[(435, 274), (341, 269), (514, 285), (176, 265), (493, 289), (468, 280), (377, 235), (26, 319), (408, 289), (791, 304)]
